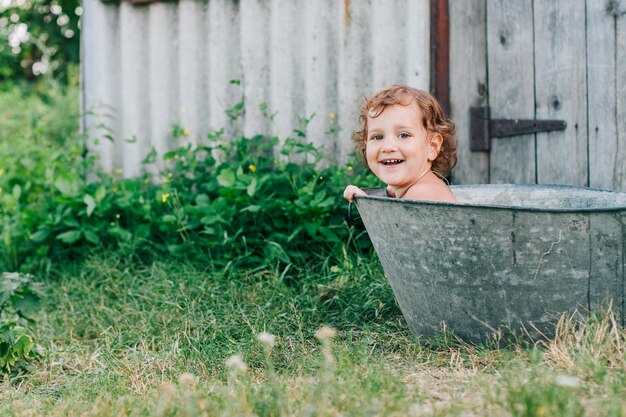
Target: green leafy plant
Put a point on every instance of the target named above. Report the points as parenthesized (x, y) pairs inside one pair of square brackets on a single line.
[(236, 201), (16, 346), (38, 37), (40, 145), (20, 299), (250, 204)]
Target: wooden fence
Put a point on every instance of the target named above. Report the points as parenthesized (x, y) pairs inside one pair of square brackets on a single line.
[(545, 59)]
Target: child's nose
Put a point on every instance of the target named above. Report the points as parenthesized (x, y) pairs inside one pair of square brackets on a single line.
[(389, 144)]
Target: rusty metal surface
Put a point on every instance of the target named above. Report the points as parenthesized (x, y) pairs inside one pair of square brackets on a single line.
[(440, 52), (503, 258)]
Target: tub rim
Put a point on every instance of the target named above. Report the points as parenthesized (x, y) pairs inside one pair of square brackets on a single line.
[(503, 207)]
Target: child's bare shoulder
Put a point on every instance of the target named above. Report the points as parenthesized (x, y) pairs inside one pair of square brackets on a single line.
[(431, 191)]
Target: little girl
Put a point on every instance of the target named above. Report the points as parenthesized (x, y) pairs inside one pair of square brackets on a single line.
[(407, 143)]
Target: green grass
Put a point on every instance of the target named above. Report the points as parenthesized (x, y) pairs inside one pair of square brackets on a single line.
[(125, 336), (118, 336)]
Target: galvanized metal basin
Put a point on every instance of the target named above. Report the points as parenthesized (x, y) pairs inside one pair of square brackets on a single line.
[(504, 257)]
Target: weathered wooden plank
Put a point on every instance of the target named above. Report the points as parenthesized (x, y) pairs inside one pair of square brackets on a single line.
[(619, 175), (561, 90), (601, 95), (468, 84), (511, 88), (135, 89), (162, 71)]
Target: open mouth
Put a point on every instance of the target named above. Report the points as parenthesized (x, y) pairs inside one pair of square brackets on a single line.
[(392, 161)]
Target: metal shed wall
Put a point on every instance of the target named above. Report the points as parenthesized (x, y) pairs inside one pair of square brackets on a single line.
[(148, 67)]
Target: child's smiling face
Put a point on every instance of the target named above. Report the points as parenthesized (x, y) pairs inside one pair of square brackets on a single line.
[(398, 150)]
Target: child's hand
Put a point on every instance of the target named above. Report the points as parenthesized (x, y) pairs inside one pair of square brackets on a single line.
[(351, 191)]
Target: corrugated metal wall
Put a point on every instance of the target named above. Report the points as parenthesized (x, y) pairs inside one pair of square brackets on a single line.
[(147, 67)]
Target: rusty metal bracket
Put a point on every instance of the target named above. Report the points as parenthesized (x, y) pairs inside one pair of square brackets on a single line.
[(482, 128)]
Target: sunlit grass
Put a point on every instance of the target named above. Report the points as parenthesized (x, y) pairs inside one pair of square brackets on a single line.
[(124, 336), (154, 340)]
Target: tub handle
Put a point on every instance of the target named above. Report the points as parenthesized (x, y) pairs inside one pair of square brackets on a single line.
[(349, 218)]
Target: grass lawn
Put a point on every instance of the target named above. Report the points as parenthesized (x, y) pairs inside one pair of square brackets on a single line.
[(122, 335), (123, 339)]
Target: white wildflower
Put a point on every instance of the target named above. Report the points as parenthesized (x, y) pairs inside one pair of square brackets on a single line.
[(267, 339), (325, 333), (167, 389), (187, 379), (235, 363), (568, 381)]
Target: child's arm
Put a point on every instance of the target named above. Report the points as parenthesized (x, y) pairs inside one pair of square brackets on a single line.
[(351, 191)]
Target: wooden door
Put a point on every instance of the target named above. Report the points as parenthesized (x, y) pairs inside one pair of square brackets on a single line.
[(542, 59)]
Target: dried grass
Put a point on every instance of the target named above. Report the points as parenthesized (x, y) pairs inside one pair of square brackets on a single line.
[(599, 340)]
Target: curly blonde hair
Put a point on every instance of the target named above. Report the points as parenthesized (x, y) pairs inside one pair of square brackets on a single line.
[(433, 121)]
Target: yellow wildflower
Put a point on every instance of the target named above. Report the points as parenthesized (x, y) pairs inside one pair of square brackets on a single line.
[(118, 170), (164, 197), (166, 180), (186, 132), (349, 167), (332, 116), (252, 168)]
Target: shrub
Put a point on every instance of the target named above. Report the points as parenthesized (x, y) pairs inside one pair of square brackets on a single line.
[(38, 37), (248, 208), (252, 207), (40, 145), (248, 201), (20, 299), (233, 201)]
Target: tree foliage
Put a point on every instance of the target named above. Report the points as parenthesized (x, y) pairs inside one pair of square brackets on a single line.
[(38, 37)]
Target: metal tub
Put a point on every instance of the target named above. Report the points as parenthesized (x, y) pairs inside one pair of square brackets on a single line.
[(505, 257)]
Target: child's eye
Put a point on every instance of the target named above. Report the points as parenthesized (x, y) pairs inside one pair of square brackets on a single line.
[(376, 137), (403, 135)]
